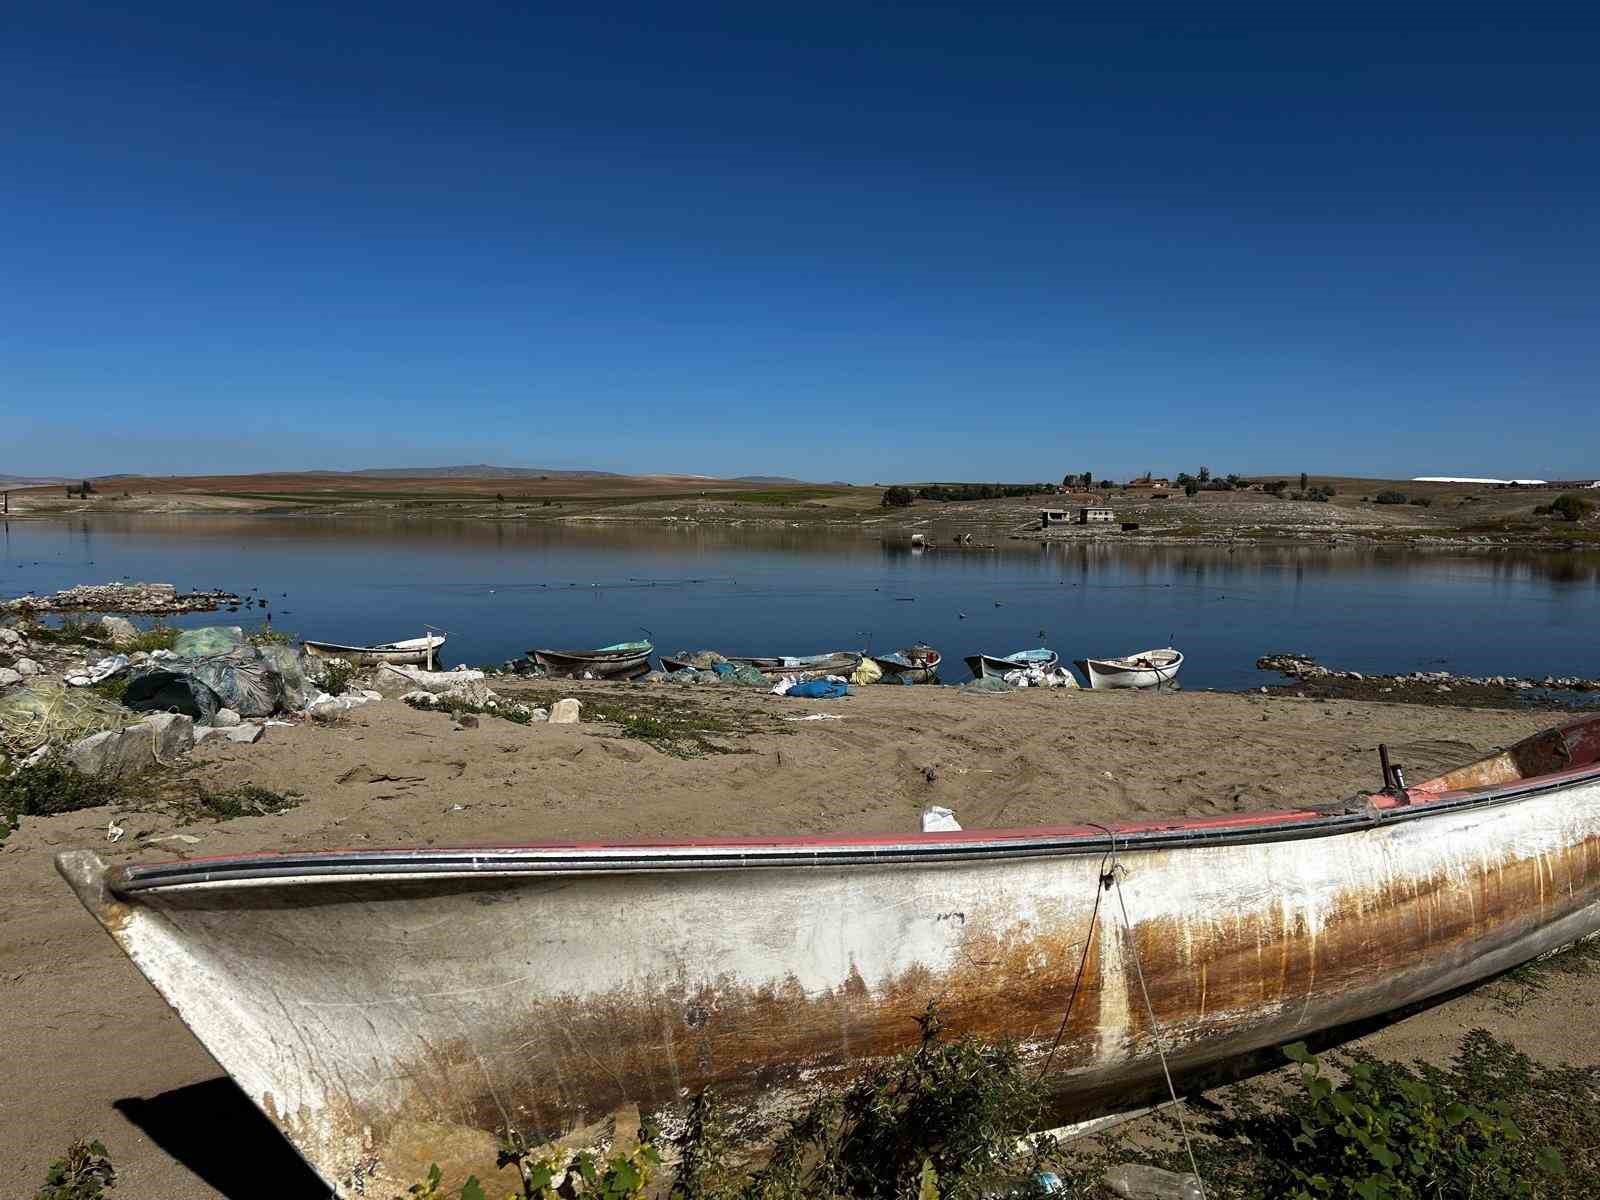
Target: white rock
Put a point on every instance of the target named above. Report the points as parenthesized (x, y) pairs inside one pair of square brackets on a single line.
[(420, 698), (26, 666), (114, 754), (9, 637), (8, 677), (120, 630), (539, 714), (225, 718), (173, 734), (246, 735), (471, 686), (372, 694), (565, 712)]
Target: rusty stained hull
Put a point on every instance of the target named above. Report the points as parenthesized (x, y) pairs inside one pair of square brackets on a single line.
[(358, 1010)]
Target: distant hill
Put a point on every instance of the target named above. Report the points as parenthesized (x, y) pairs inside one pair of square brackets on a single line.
[(764, 480), (31, 480), (477, 471)]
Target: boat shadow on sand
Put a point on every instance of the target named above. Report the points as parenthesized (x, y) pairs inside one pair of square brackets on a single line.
[(214, 1131)]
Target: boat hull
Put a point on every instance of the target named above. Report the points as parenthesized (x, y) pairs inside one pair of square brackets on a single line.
[(1112, 673), (374, 1004), (577, 665), (920, 664), (982, 665), (399, 655)]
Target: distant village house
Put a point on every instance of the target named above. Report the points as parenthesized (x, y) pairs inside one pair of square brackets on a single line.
[(1095, 516)]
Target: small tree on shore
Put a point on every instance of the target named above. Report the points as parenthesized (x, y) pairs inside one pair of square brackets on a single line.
[(896, 497)]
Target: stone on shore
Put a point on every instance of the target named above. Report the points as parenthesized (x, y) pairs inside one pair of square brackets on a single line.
[(118, 753), (225, 718), (393, 682), (8, 677), (120, 630), (26, 666), (565, 712), (173, 734)]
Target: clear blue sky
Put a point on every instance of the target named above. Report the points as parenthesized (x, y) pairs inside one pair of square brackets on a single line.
[(862, 242)]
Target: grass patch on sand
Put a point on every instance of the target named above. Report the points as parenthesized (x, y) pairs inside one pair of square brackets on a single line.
[(48, 788), (247, 800), (670, 723)]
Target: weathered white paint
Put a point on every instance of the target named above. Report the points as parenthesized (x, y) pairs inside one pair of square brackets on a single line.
[(326, 998)]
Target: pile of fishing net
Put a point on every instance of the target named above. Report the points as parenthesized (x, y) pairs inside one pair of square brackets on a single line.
[(46, 711)]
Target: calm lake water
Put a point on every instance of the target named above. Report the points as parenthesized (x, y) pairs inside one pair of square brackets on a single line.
[(502, 588)]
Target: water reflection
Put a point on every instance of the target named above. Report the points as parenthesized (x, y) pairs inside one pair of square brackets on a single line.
[(500, 587)]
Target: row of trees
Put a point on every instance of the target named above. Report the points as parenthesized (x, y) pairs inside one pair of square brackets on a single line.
[(1201, 481)]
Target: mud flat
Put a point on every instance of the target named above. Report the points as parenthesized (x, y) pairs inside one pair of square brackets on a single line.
[(103, 1056)]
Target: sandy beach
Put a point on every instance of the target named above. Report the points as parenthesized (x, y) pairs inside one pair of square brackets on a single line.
[(105, 1057)]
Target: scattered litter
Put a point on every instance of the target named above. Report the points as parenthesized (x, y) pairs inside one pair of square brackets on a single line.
[(114, 664), (188, 839), (114, 832), (817, 717), (939, 820)]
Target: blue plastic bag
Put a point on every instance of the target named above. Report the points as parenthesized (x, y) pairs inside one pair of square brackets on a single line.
[(820, 689)]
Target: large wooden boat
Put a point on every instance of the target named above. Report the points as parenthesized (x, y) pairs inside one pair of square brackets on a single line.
[(417, 651), (625, 660), (377, 1004)]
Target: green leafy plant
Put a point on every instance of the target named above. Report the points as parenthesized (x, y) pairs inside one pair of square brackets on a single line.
[(157, 637), (1388, 1134), (941, 1120), (432, 1188), (896, 497), (549, 1172), (1566, 506), (1392, 497), (83, 1173), (336, 676)]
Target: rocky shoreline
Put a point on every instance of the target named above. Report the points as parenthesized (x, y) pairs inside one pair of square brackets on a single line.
[(1430, 687), (144, 599)]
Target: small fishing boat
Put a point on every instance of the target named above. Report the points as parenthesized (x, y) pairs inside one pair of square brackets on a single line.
[(807, 666), (1022, 660), (420, 651), (914, 664), (381, 1005), (1147, 668), (625, 660)]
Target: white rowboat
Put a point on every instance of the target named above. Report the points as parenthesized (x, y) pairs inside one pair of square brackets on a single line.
[(1147, 668), (407, 652)]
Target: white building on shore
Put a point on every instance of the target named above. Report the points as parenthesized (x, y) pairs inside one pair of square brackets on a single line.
[(1470, 479)]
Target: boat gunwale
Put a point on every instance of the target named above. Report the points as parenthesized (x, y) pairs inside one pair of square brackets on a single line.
[(417, 645), (832, 850)]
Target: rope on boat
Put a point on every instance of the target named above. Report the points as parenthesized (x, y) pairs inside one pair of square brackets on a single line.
[(1110, 875), (1155, 1030)]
